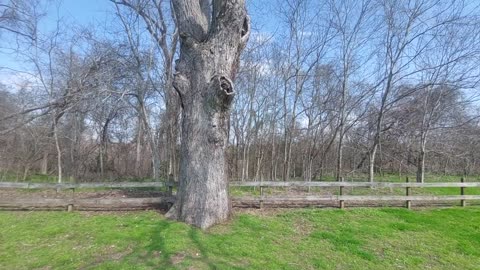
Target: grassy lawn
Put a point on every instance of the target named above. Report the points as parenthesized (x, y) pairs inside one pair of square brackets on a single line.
[(359, 238)]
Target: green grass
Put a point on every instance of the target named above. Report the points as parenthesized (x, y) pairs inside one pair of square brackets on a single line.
[(294, 239), (47, 178), (32, 178)]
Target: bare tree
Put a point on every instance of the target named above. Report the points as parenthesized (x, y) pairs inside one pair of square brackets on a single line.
[(352, 20), (156, 14)]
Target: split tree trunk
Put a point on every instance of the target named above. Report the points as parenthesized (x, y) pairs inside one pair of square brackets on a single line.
[(212, 39)]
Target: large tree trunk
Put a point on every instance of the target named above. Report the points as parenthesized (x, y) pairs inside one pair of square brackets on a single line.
[(209, 57)]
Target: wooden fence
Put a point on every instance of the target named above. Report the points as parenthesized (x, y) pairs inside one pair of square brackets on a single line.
[(71, 200), (168, 197), (341, 198), (16, 185)]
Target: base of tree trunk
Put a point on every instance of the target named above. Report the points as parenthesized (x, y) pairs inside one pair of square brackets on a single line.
[(201, 219)]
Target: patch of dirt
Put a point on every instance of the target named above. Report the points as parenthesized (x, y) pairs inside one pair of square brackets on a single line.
[(119, 255), (114, 213), (303, 226), (110, 256), (267, 212), (177, 258)]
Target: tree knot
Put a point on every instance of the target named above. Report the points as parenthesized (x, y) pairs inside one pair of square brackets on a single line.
[(223, 90)]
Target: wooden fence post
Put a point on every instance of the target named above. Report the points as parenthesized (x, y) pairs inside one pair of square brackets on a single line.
[(70, 205), (407, 189), (462, 192), (342, 202)]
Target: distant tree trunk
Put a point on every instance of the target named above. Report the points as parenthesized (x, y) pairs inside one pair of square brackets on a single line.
[(421, 158), (371, 163), (287, 150), (259, 156), (103, 157), (273, 164), (445, 165), (341, 127), (138, 148), (245, 159), (338, 171), (237, 159), (44, 165), (208, 63), (25, 172), (421, 167), (101, 161), (59, 150)]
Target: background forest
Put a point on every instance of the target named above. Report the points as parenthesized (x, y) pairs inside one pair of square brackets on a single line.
[(326, 89)]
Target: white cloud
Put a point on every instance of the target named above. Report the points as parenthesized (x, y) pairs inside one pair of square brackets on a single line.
[(15, 80)]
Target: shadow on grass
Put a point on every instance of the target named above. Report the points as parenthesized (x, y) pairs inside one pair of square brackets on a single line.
[(194, 235), (157, 253), (174, 245)]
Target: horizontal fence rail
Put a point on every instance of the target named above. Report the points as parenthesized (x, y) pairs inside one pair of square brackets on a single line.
[(84, 185), (86, 203), (274, 198), (341, 198), (236, 184), (168, 198), (353, 184)]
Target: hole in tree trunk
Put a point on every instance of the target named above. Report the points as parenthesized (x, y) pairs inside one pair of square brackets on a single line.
[(245, 26), (226, 85)]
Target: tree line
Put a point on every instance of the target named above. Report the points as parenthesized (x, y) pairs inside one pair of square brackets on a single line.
[(324, 90)]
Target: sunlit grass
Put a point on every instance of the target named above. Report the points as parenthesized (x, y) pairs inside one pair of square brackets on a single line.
[(291, 239)]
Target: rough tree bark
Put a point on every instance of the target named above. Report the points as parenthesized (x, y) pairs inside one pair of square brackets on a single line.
[(211, 40)]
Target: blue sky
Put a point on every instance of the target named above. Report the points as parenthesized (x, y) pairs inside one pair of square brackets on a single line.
[(86, 11), (78, 12), (95, 12), (81, 12)]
